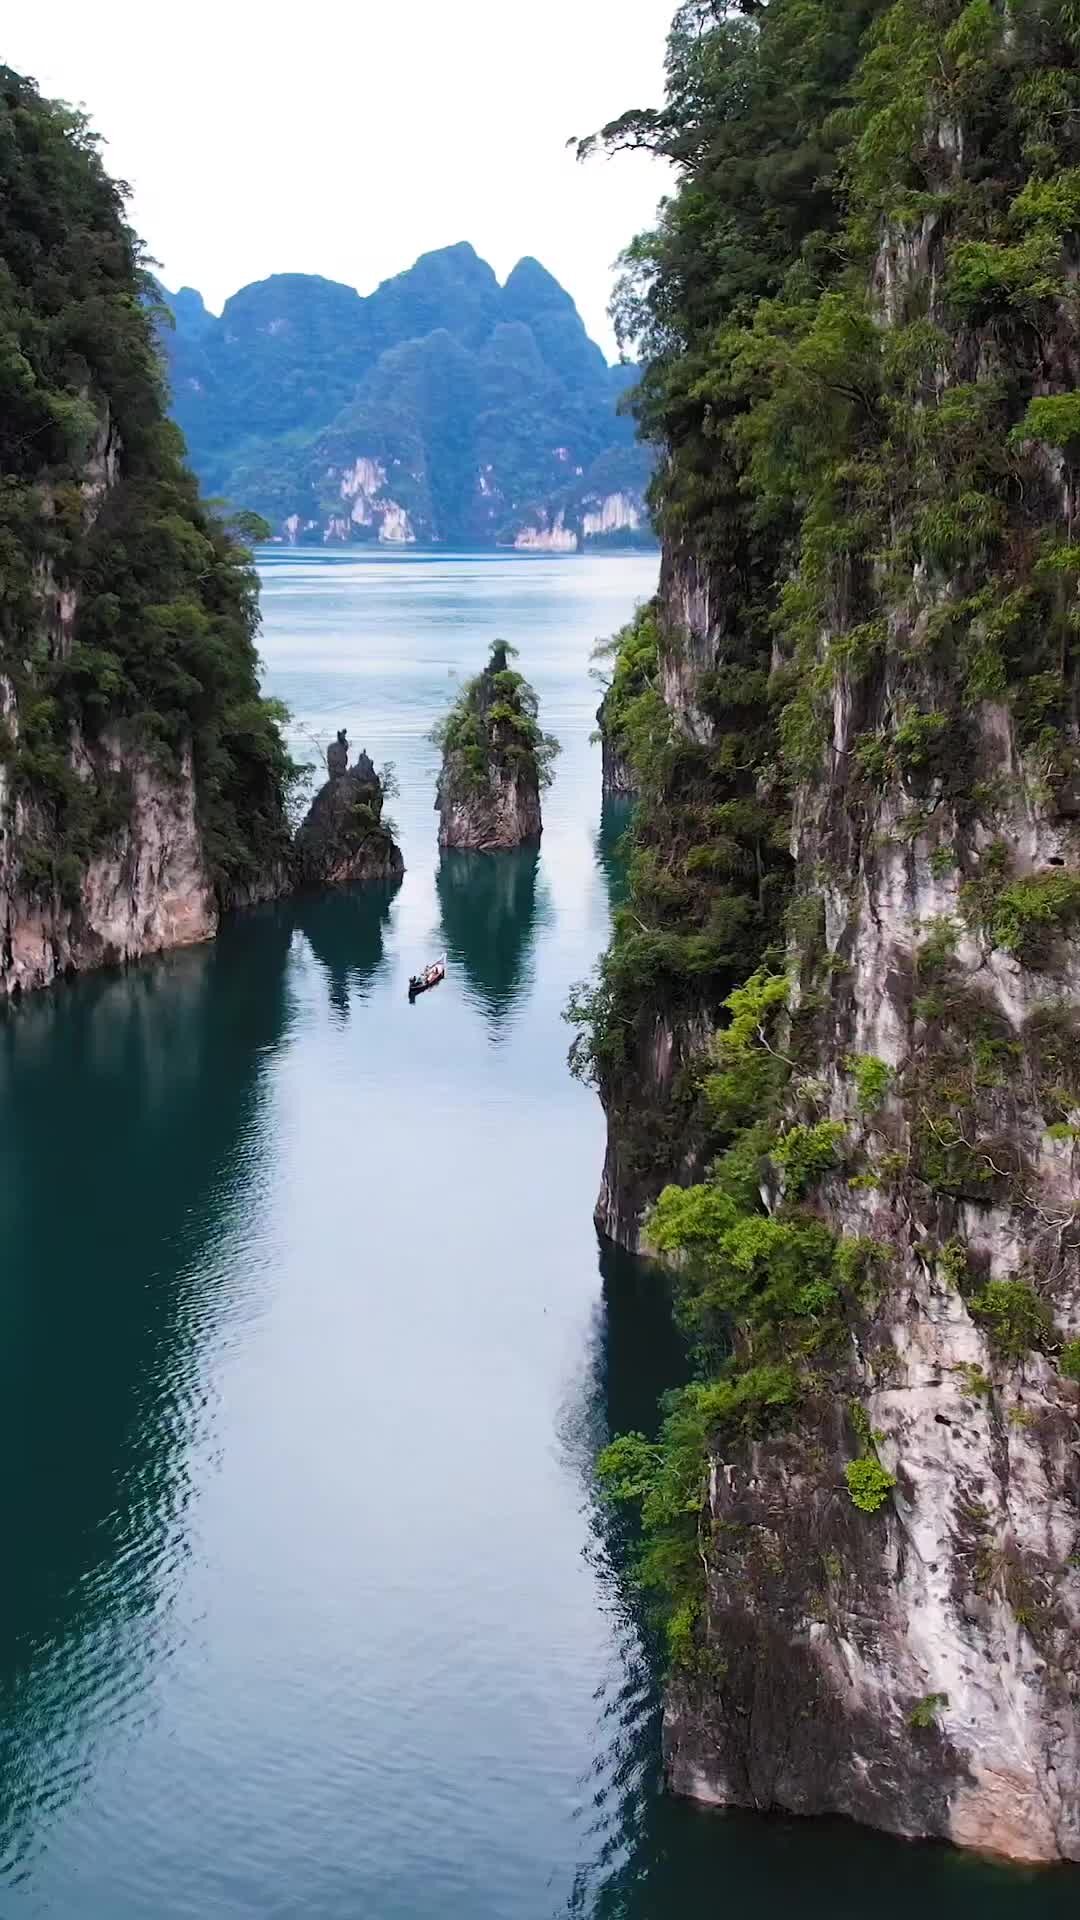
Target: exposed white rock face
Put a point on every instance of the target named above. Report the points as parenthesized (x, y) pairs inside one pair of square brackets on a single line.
[(101, 468), (396, 528), (363, 484), (363, 481), (693, 625), (547, 536), (146, 891), (616, 513)]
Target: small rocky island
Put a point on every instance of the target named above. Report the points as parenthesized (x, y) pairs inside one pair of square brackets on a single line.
[(344, 836), (496, 761)]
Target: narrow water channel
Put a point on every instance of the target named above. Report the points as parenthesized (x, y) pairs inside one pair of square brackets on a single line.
[(309, 1608)]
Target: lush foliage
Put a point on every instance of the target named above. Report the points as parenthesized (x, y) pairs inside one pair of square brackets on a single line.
[(98, 509), (868, 1482), (924, 1713), (487, 408), (493, 726), (1015, 1317), (1070, 1360)]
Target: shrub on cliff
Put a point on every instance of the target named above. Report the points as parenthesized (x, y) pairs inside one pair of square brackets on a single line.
[(493, 724)]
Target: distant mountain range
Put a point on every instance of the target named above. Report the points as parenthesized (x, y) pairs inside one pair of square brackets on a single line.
[(442, 408)]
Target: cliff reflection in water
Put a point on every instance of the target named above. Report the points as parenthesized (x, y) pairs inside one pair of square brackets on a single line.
[(130, 1160), (616, 814), (636, 1356), (489, 906), (344, 928)]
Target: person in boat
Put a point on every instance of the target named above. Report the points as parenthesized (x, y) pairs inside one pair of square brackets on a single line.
[(337, 755)]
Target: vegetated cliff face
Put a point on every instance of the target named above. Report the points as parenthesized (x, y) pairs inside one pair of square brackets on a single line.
[(344, 837), (495, 762), (876, 1608), (141, 777), (444, 407), (616, 772), (147, 890)]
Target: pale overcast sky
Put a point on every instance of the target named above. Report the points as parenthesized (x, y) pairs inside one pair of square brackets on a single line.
[(260, 137)]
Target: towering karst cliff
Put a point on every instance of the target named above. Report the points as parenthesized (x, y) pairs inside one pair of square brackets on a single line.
[(141, 776), (842, 1004), (495, 761)]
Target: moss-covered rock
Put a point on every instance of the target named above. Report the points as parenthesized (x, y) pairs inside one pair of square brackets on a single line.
[(495, 762)]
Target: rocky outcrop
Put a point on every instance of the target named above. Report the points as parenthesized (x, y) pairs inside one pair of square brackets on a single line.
[(344, 837), (373, 512), (609, 514), (586, 518), (488, 815), (495, 761), (547, 533)]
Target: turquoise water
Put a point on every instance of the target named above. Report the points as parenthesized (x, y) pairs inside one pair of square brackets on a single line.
[(308, 1606)]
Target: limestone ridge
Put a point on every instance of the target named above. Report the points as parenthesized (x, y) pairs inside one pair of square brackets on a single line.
[(344, 836), (842, 1009), (495, 761), (444, 407)]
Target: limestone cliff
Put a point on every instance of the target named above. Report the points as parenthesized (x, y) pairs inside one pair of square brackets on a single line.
[(842, 1007), (147, 890), (142, 779), (344, 836), (495, 761)]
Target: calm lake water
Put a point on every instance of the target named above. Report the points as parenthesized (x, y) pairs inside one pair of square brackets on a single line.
[(308, 1606)]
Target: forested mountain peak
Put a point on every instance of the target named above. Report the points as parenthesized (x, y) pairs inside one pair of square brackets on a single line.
[(530, 288), (476, 411)]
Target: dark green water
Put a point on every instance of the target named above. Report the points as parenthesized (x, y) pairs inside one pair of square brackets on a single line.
[(308, 1607)]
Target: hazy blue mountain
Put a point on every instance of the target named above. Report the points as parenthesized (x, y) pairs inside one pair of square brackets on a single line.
[(443, 407)]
